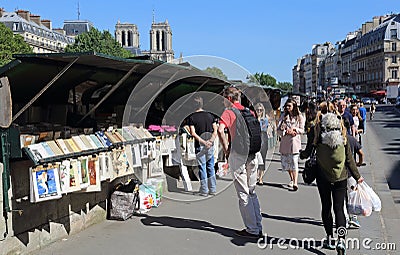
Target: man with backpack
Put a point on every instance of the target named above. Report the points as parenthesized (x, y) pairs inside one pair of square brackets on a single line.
[(243, 142)]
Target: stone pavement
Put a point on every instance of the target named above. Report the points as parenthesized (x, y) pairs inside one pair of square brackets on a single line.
[(206, 226)]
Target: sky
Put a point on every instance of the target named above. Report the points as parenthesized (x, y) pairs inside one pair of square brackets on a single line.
[(259, 36)]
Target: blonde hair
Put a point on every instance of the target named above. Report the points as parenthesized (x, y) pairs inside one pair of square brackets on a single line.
[(260, 105)]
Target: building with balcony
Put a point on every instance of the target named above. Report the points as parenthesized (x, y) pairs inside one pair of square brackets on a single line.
[(38, 33), (366, 60)]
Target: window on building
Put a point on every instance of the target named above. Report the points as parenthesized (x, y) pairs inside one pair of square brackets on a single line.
[(394, 74), (394, 59), (394, 47), (393, 33), (15, 26)]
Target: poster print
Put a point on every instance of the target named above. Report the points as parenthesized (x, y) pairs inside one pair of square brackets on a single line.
[(156, 165), (64, 176), (84, 172), (94, 175), (75, 176), (144, 149), (46, 183)]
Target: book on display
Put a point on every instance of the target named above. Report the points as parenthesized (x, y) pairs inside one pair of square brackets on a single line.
[(55, 148)]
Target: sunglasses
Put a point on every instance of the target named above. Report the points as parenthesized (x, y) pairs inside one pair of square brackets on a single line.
[(259, 110)]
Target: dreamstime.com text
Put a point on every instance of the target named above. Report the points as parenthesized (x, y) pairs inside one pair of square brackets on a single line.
[(305, 243)]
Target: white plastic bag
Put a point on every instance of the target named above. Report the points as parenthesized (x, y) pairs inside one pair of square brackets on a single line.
[(359, 202), (376, 201)]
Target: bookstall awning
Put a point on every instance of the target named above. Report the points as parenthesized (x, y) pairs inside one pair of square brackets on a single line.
[(46, 79)]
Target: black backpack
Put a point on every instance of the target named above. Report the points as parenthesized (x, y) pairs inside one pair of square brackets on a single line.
[(247, 139)]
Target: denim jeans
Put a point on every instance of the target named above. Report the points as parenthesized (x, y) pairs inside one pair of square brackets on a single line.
[(205, 161)]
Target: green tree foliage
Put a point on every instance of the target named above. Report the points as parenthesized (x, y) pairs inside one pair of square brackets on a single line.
[(285, 86), (263, 79), (216, 72), (101, 42), (266, 79), (11, 44)]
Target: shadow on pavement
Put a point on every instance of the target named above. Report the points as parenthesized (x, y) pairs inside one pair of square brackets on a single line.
[(175, 222), (394, 178), (275, 185), (302, 220), (284, 244)]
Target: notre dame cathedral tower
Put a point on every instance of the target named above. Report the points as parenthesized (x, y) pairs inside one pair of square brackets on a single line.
[(160, 40)]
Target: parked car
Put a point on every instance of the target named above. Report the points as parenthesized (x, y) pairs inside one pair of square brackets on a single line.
[(398, 102), (374, 101), (366, 100)]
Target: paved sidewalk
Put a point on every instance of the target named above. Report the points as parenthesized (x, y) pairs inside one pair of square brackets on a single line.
[(207, 226)]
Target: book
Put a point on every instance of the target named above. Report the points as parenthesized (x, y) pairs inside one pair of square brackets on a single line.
[(72, 145), (86, 142), (63, 146), (103, 138), (96, 141), (119, 136), (79, 143), (114, 139), (26, 140), (46, 183), (55, 148), (49, 152), (37, 151), (126, 134)]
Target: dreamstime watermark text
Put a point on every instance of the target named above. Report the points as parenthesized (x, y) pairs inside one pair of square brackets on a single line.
[(267, 242)]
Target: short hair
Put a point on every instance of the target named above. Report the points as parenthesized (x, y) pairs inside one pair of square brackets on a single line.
[(232, 92), (198, 102)]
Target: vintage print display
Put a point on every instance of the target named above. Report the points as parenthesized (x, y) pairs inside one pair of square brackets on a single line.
[(46, 183), (94, 175), (84, 172), (75, 175), (64, 176)]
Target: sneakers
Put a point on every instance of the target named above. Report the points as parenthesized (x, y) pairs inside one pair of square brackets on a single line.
[(328, 243), (212, 193), (353, 222), (341, 247), (244, 233)]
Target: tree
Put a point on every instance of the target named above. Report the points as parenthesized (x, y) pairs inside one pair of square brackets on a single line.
[(11, 44), (263, 79), (285, 86), (216, 72), (96, 41)]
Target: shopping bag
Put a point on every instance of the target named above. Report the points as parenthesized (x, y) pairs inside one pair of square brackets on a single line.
[(376, 201), (359, 201)]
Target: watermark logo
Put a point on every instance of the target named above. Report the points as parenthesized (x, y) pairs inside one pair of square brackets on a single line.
[(268, 242)]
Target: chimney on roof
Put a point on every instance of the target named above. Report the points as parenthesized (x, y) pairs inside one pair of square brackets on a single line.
[(47, 23), (1, 12), (24, 14), (36, 19), (59, 30)]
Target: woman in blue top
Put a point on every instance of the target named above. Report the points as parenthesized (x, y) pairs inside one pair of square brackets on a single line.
[(263, 119)]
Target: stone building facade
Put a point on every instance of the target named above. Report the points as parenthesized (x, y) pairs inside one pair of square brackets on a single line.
[(38, 33), (366, 60)]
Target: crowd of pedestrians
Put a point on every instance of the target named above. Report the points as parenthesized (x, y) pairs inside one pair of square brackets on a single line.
[(334, 130)]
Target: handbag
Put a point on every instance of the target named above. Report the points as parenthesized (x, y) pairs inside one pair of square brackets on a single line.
[(310, 169)]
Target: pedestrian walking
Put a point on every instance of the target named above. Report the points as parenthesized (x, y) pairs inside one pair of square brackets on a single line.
[(342, 106), (372, 110), (334, 158), (263, 119), (290, 127), (363, 114), (243, 167), (203, 128)]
